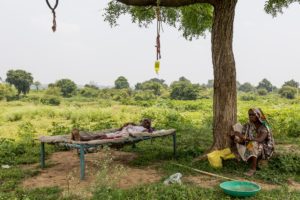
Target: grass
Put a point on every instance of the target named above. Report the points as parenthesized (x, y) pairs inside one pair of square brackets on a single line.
[(20, 122)]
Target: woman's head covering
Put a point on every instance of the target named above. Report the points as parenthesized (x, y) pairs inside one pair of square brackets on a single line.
[(260, 116)]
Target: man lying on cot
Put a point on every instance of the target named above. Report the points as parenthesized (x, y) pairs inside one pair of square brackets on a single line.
[(255, 140), (125, 130)]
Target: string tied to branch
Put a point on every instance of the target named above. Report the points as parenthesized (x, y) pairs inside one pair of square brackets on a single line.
[(52, 8), (158, 28)]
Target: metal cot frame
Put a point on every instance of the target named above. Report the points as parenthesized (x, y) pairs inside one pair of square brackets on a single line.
[(82, 147)]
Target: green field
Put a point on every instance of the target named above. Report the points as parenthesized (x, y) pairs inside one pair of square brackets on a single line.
[(23, 120)]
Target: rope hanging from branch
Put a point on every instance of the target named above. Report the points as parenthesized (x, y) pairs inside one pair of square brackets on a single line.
[(53, 13), (158, 28)]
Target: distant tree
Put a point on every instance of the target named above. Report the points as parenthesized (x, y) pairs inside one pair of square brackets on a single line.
[(20, 79), (210, 84), (246, 87), (121, 83), (154, 85), (37, 85), (161, 81), (51, 85), (288, 92), (184, 90), (92, 86), (182, 78), (265, 84), (138, 86), (291, 83), (67, 87)]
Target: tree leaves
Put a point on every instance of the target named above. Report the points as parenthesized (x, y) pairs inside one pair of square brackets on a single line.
[(274, 7), (193, 20)]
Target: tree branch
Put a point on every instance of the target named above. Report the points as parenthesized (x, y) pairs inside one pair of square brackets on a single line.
[(163, 3)]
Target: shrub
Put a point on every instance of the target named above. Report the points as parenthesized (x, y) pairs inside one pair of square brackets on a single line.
[(89, 92), (50, 100), (184, 90), (7, 154), (246, 87), (32, 98), (248, 97), (262, 92), (26, 132), (288, 92), (59, 129), (144, 95), (7, 92), (13, 117), (53, 91)]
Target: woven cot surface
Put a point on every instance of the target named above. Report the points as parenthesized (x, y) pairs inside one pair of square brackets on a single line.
[(131, 137)]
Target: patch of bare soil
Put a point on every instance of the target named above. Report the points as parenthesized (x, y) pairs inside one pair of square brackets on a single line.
[(64, 171), (203, 181), (293, 185), (288, 148)]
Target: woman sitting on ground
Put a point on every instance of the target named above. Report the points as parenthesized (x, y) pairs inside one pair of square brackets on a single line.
[(255, 141), (126, 130)]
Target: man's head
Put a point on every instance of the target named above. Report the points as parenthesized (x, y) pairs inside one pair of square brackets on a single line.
[(146, 123)]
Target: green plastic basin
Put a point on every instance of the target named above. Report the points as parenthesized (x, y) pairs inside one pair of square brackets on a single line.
[(240, 188)]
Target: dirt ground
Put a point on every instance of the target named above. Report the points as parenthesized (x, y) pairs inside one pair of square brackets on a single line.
[(64, 171)]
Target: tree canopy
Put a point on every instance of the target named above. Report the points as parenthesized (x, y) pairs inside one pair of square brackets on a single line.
[(291, 83), (194, 18), (121, 83), (265, 84), (184, 90), (20, 79), (67, 87)]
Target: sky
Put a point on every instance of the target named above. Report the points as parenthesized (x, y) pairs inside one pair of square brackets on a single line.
[(86, 49)]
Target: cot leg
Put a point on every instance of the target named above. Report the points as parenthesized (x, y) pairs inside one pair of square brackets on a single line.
[(42, 154), (174, 144), (82, 165)]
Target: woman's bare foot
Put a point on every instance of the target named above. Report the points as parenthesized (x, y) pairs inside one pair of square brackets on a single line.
[(251, 172)]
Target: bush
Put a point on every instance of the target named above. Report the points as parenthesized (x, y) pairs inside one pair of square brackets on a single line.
[(248, 97), (262, 92), (32, 98), (89, 92), (144, 95), (53, 91), (184, 90), (7, 92), (50, 100), (246, 87), (59, 129), (288, 92), (7, 148), (13, 117)]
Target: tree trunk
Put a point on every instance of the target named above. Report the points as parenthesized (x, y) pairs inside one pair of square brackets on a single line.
[(225, 95)]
